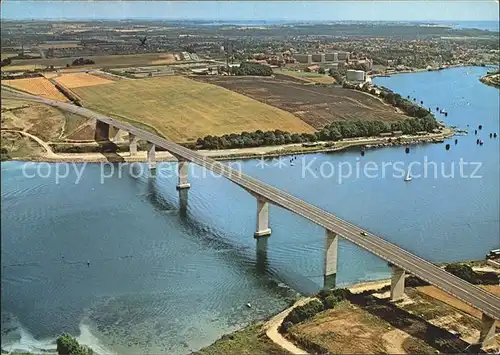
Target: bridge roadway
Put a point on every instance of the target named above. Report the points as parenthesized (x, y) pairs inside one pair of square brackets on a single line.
[(474, 296)]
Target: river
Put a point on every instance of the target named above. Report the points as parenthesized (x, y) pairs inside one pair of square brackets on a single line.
[(123, 267)]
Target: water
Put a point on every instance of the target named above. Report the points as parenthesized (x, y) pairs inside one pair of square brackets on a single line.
[(492, 26), (164, 279)]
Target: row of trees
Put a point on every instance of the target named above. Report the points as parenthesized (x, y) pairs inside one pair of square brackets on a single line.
[(333, 132), (408, 107), (82, 61), (247, 68)]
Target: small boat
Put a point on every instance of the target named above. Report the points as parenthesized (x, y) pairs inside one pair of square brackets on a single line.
[(408, 176), (481, 142), (249, 305)]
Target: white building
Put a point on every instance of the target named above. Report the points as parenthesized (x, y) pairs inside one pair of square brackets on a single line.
[(355, 75)]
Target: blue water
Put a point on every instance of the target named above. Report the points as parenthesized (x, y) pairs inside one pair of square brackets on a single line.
[(478, 25), (163, 278)]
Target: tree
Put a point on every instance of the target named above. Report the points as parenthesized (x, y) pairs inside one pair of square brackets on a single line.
[(304, 312), (336, 75), (67, 345), (463, 271), (247, 68), (6, 61), (82, 61), (321, 71)]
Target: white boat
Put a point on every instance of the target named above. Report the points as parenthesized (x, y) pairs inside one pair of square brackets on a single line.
[(408, 176)]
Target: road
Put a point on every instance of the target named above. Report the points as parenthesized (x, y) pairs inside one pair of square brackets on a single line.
[(49, 152), (474, 296), (272, 329)]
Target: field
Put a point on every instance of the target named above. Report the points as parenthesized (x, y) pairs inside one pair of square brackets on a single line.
[(22, 67), (43, 121), (37, 86), (348, 329), (434, 292), (315, 105), (100, 61), (58, 45), (5, 55), (249, 341), (77, 80), (164, 59), (445, 312), (310, 77), (184, 110)]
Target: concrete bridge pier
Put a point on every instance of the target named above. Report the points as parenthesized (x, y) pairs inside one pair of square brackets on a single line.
[(263, 229), (101, 131), (487, 335), (330, 268), (397, 283), (182, 172), (151, 155), (132, 139)]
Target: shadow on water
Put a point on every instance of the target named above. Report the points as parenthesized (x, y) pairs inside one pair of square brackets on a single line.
[(216, 240)]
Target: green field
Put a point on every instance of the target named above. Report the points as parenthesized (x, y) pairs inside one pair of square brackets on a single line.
[(100, 61), (183, 110), (310, 77), (249, 341)]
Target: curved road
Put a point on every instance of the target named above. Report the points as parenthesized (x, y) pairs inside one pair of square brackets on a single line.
[(474, 296)]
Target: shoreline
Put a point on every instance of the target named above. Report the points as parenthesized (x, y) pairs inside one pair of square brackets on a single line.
[(421, 70), (270, 326), (247, 153), (487, 80)]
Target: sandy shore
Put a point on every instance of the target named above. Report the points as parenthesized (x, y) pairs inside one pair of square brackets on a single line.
[(245, 153)]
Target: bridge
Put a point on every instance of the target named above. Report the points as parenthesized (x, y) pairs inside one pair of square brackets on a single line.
[(401, 261)]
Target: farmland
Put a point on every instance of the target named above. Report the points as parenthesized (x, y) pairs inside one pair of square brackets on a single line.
[(76, 80), (309, 77), (315, 105), (101, 61), (36, 86), (184, 110), (348, 329)]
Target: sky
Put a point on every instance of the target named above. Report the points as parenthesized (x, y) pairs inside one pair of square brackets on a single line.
[(422, 10)]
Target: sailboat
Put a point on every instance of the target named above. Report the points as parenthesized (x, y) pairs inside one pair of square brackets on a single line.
[(408, 176)]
